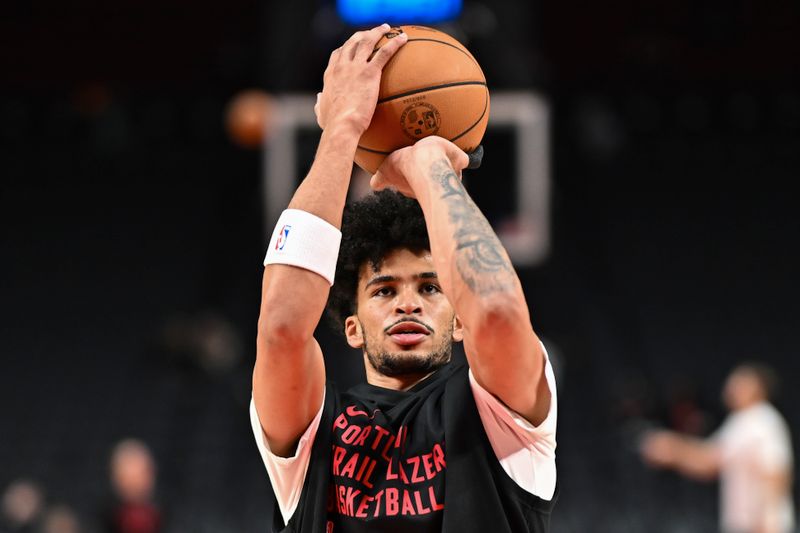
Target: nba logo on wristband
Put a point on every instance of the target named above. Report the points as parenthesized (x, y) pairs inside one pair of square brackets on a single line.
[(280, 242), (315, 243)]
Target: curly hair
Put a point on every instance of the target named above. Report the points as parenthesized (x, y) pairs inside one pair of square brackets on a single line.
[(371, 228)]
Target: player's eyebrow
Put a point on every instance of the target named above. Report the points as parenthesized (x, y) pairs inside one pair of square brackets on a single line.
[(380, 279), (390, 279)]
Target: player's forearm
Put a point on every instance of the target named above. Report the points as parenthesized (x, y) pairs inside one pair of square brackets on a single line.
[(695, 458), (478, 277), (289, 374), (293, 298), (472, 264), (324, 190)]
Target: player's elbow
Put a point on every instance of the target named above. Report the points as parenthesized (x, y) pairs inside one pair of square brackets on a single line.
[(280, 335), (504, 337), (285, 319), (500, 316)]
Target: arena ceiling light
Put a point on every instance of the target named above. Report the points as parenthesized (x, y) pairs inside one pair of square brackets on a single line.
[(373, 12)]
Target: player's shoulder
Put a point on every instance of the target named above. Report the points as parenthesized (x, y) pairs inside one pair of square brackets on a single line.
[(760, 418), (771, 415), (763, 412)]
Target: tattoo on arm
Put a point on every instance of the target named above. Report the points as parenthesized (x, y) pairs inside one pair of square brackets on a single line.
[(480, 258)]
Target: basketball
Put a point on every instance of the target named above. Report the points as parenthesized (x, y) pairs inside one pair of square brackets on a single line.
[(432, 86), (248, 117)]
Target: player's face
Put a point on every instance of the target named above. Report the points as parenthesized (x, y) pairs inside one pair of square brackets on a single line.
[(742, 389), (404, 323)]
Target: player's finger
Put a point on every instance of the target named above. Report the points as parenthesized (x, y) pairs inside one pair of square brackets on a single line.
[(461, 160), (334, 56), (317, 111), (367, 41), (458, 157), (376, 182), (364, 40), (385, 52), (332, 60), (351, 45)]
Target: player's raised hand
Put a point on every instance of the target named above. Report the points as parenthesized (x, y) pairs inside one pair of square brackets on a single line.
[(352, 79), (405, 168)]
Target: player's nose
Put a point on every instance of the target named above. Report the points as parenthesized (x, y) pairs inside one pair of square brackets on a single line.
[(408, 302)]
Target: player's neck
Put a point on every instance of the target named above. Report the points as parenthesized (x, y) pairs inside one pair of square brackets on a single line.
[(402, 382), (750, 402)]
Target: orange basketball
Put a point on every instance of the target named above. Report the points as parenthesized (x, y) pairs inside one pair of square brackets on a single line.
[(248, 117), (432, 86)]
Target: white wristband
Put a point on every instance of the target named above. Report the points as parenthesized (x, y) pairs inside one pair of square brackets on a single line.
[(304, 240)]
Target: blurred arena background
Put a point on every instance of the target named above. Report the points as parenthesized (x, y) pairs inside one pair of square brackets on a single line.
[(132, 232)]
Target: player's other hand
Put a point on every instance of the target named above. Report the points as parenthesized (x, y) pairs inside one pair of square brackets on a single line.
[(658, 448), (409, 168), (352, 79)]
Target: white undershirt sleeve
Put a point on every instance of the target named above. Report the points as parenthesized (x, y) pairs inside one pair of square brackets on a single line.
[(286, 474), (526, 452)]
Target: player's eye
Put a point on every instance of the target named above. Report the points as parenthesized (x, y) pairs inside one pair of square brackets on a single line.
[(383, 291), (430, 288)]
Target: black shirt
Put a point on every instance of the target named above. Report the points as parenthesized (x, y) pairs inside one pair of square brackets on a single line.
[(417, 460)]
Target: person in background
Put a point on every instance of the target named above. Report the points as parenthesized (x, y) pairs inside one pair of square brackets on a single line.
[(133, 478), (21, 508), (751, 454), (60, 519)]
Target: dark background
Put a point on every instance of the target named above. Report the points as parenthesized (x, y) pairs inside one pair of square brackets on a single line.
[(129, 218)]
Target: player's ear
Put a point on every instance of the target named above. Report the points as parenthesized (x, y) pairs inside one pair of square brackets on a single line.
[(353, 332), (458, 329)]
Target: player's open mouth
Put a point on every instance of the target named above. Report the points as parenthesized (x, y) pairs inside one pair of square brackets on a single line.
[(408, 333)]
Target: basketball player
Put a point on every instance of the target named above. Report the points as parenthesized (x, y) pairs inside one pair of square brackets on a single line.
[(424, 445), (751, 453)]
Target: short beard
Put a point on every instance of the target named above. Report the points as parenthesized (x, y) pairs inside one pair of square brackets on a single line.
[(407, 363)]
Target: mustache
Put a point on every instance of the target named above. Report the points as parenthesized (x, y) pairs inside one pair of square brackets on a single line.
[(414, 320)]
